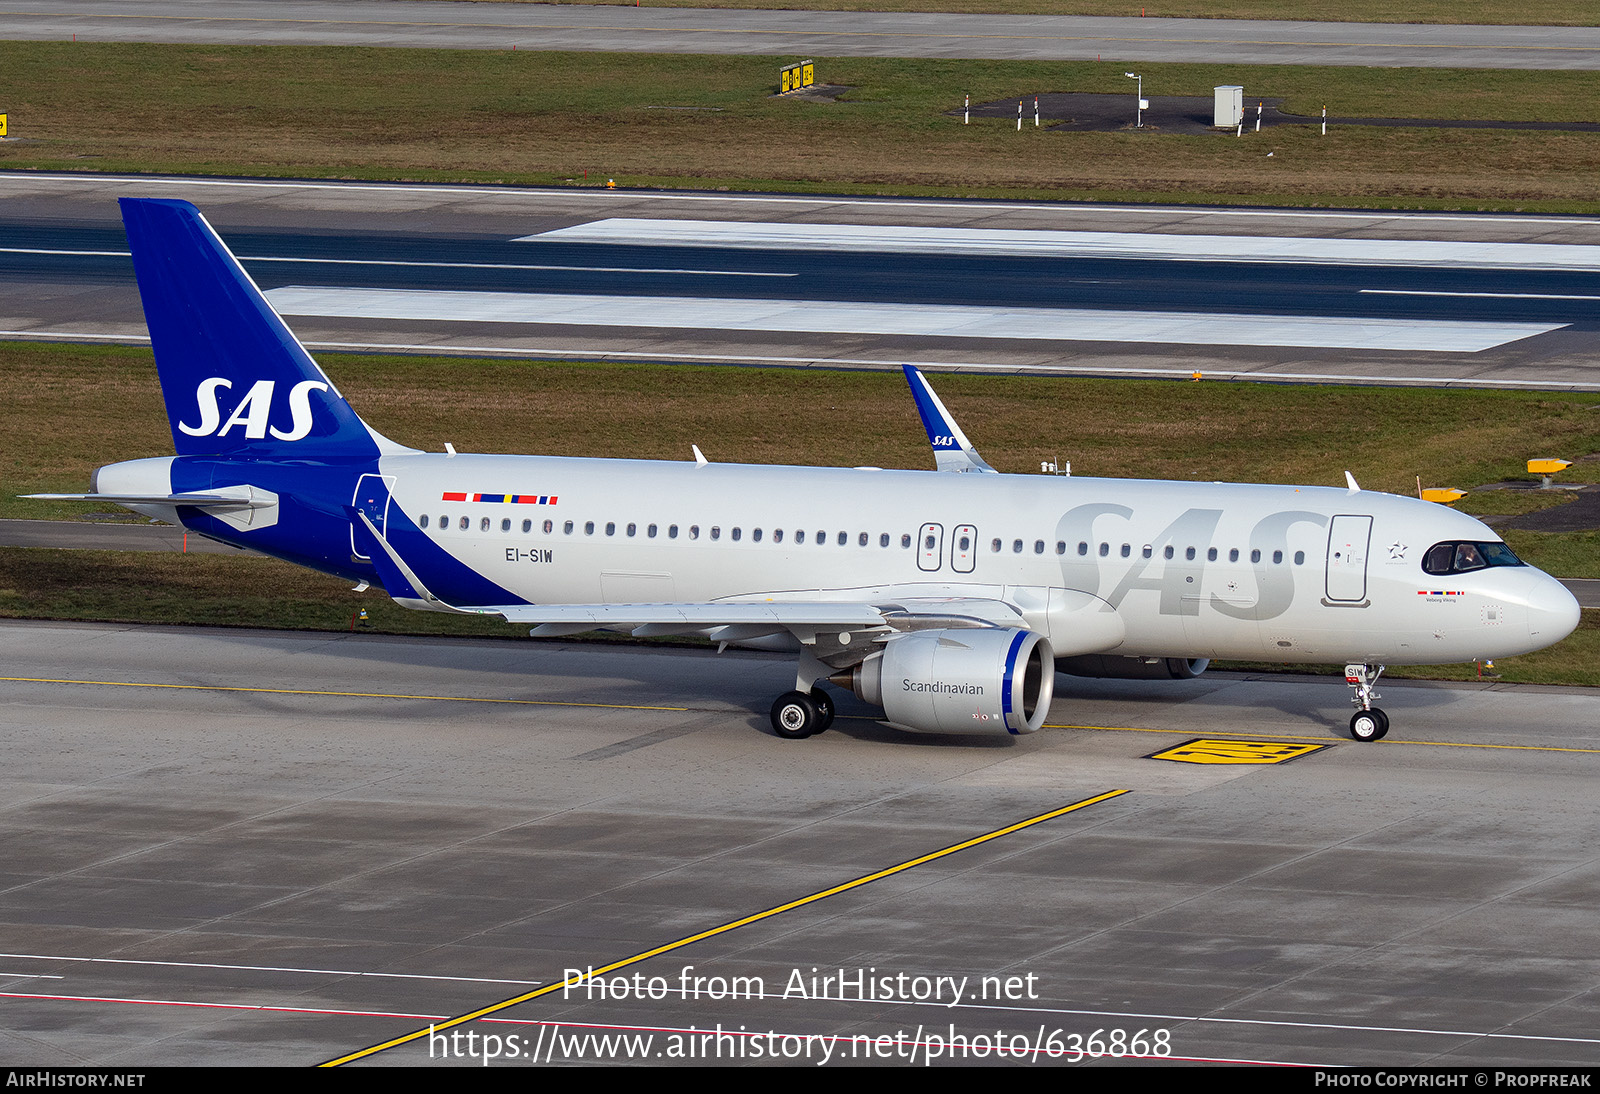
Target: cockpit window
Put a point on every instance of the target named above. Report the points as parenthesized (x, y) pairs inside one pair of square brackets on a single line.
[(1461, 558)]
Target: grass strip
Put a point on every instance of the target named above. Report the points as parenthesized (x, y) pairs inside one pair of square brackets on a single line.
[(73, 408), (711, 121), (1525, 12)]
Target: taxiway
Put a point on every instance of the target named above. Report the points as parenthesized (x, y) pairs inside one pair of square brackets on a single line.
[(251, 847)]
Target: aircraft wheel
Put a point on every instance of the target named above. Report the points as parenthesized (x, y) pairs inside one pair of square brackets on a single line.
[(824, 703), (1369, 725), (796, 716)]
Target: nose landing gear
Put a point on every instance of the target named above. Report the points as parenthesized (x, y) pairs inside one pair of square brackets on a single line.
[(1369, 723)]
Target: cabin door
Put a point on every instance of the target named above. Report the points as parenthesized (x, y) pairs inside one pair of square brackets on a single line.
[(1348, 538)]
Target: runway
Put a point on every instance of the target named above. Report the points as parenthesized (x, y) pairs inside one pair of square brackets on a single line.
[(819, 33), (247, 847), (842, 282)]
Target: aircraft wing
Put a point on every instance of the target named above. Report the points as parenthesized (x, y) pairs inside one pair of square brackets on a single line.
[(951, 449)]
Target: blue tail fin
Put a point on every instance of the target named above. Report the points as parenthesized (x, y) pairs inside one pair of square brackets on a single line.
[(236, 380)]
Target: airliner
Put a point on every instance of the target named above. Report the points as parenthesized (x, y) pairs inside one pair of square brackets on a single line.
[(950, 598)]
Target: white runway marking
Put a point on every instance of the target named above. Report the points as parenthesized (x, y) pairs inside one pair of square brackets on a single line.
[(1491, 295), (599, 353), (423, 265), (927, 320), (908, 239)]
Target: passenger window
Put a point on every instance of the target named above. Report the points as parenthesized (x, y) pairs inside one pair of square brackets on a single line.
[(444, 523), (588, 527), (822, 538), (735, 534), (861, 541), (1189, 553), (1299, 558), (632, 528), (844, 538), (905, 541), (672, 531), (883, 540), (611, 527), (799, 535), (1148, 550), (1083, 547), (1277, 558), (483, 525), (566, 529), (1038, 546), (1105, 549), (964, 544), (424, 520), (1127, 550), (1016, 546), (994, 545), (1255, 554), (651, 531), (1167, 552), (550, 526), (755, 535), (1211, 554), (694, 531), (928, 543), (1061, 546), (505, 525), (1233, 554), (464, 523), (777, 535), (716, 532)]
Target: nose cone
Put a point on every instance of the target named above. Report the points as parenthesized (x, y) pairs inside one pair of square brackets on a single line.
[(1553, 611)]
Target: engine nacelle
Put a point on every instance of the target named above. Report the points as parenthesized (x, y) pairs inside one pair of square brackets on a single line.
[(1134, 668), (978, 680)]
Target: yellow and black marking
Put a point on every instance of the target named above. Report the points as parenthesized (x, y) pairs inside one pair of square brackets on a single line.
[(593, 973), (796, 77), (1209, 750)]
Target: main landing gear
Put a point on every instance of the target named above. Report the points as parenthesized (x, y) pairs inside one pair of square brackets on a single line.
[(800, 714), (1369, 723)]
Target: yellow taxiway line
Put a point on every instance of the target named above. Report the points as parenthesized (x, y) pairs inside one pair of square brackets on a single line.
[(593, 973)]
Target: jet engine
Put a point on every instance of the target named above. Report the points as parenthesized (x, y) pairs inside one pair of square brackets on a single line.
[(959, 680), (1134, 668)]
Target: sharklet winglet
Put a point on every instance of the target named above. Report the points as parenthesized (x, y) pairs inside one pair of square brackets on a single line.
[(951, 449)]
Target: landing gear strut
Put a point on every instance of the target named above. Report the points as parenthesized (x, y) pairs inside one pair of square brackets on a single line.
[(800, 714), (1369, 723)]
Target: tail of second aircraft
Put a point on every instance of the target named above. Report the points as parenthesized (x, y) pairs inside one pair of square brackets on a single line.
[(236, 380)]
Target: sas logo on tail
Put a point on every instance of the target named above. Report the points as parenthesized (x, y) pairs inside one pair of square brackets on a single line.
[(253, 410)]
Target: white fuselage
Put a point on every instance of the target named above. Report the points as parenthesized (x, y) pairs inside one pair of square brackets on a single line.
[(1119, 566)]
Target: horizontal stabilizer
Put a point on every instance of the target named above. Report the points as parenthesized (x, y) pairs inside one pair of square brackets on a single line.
[(207, 501)]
